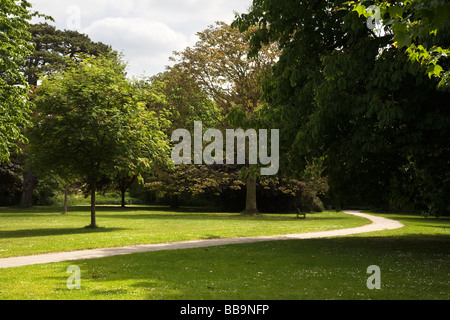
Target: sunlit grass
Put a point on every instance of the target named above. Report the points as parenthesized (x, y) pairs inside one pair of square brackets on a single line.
[(414, 263), (45, 229)]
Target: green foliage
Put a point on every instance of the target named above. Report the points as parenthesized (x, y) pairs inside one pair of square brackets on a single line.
[(420, 27), (14, 106), (10, 183), (92, 122), (52, 46), (219, 64), (343, 94), (183, 98)]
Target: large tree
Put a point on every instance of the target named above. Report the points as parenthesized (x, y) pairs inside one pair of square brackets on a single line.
[(353, 98), (419, 27), (14, 106), (92, 121), (177, 93), (220, 65)]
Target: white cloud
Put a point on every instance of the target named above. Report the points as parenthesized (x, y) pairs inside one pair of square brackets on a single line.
[(146, 31), (146, 44)]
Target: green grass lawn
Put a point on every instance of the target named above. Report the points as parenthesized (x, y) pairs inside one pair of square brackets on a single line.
[(43, 230), (414, 262)]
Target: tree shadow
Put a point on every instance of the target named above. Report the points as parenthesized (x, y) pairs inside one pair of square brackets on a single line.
[(176, 274), (30, 233)]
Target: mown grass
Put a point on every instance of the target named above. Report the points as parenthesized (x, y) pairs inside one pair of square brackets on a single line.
[(45, 229), (414, 263)]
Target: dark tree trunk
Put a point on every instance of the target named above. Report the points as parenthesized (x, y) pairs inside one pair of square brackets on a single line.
[(174, 203), (93, 190), (29, 183), (250, 201), (66, 198), (124, 183), (123, 197)]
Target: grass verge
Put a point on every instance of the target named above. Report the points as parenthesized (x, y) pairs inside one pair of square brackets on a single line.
[(414, 263), (44, 230)]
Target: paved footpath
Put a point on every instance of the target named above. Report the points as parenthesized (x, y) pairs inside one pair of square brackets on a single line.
[(378, 224)]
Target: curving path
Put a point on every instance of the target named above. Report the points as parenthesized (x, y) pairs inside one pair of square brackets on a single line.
[(378, 224)]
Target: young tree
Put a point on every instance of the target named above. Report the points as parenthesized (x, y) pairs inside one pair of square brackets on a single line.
[(51, 48), (93, 122), (14, 105)]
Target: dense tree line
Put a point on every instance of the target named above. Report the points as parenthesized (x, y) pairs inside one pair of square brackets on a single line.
[(372, 107), (363, 113)]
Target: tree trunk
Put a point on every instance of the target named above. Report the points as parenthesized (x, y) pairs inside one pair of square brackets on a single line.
[(93, 190), (174, 203), (29, 183), (66, 198), (250, 202), (123, 197), (124, 183)]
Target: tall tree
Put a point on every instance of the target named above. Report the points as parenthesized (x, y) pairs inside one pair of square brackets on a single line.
[(355, 99), (219, 63), (92, 122), (177, 93), (52, 46), (182, 96), (14, 105)]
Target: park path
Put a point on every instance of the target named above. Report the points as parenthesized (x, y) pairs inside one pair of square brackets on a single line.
[(378, 224)]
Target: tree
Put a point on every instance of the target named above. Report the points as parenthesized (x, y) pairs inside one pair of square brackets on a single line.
[(51, 48), (355, 99), (14, 106), (123, 182), (182, 96), (176, 93), (419, 27), (220, 65), (91, 121)]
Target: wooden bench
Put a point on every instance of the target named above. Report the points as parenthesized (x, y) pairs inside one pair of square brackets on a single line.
[(299, 213)]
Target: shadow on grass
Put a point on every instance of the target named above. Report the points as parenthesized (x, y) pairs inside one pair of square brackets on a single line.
[(282, 270), (29, 233), (160, 213), (14, 210)]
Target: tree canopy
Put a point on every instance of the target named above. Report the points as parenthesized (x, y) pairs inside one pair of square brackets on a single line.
[(356, 101), (220, 65), (91, 121), (52, 46), (419, 27), (15, 17)]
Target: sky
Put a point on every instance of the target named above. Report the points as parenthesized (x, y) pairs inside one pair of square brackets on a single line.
[(145, 31)]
